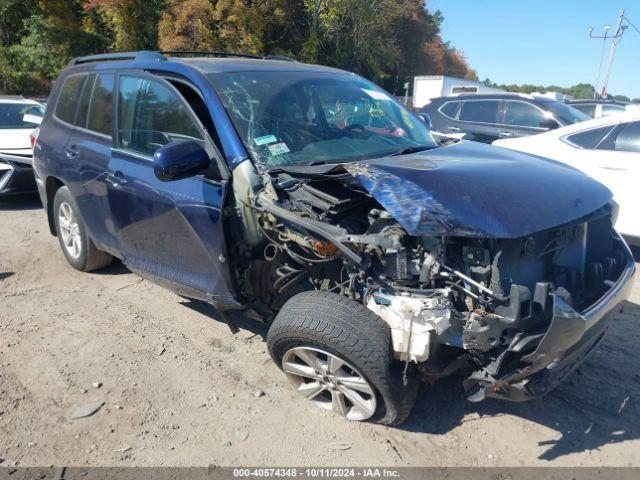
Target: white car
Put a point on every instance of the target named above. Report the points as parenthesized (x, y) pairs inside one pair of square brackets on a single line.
[(607, 149), (18, 118)]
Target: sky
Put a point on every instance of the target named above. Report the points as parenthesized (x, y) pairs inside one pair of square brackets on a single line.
[(543, 42)]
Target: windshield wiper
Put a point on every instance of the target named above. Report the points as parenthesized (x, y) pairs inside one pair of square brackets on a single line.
[(413, 149)]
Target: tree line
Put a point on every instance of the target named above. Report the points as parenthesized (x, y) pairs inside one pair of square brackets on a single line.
[(387, 41), (578, 91)]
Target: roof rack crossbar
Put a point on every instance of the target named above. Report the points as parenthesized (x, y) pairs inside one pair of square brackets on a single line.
[(105, 57)]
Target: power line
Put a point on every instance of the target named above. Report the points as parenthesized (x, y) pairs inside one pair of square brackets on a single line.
[(631, 23)]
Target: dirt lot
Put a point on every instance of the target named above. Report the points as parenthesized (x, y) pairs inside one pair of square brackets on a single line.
[(180, 389)]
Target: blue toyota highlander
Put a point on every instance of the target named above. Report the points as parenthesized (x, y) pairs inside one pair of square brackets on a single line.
[(307, 198)]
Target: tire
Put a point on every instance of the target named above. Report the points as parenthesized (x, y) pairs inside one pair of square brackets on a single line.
[(78, 248), (329, 325)]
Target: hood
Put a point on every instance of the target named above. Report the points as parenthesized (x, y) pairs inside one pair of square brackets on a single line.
[(15, 139), (475, 190)]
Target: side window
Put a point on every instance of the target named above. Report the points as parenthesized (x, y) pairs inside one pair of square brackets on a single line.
[(150, 115), (611, 109), (589, 139), (522, 114), (100, 107), (589, 109), (449, 109), (68, 99), (482, 111), (83, 108), (626, 140)]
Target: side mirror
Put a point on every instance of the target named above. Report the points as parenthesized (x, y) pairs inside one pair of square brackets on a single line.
[(549, 123), (178, 160), (426, 119)]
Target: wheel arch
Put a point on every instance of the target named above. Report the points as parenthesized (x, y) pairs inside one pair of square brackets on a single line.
[(52, 184)]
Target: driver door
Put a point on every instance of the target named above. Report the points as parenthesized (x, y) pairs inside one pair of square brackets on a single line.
[(169, 232)]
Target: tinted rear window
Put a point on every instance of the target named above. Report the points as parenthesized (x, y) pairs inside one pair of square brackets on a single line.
[(100, 108), (81, 116), (591, 138), (484, 111), (69, 96), (449, 109), (589, 109), (628, 139)]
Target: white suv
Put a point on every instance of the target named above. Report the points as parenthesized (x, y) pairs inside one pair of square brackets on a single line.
[(19, 117)]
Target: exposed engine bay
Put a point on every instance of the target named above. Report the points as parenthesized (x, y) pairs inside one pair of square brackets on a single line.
[(453, 303)]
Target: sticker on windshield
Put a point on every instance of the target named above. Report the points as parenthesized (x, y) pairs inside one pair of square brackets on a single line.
[(265, 140), (375, 94), (278, 148)]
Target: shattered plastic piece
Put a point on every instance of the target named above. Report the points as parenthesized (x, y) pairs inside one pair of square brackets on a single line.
[(86, 410)]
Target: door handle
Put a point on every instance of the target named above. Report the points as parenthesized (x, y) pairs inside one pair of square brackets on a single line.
[(505, 134), (116, 179), (454, 128), (72, 152)]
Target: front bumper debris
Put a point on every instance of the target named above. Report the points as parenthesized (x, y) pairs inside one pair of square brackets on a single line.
[(570, 338), (16, 177)]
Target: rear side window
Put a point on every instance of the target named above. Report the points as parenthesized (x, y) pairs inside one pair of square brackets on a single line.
[(100, 106), (152, 115), (611, 109), (482, 111), (589, 139), (449, 109), (626, 140), (522, 114), (68, 99), (588, 109), (81, 116)]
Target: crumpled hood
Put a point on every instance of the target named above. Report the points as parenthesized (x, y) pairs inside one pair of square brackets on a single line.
[(476, 190)]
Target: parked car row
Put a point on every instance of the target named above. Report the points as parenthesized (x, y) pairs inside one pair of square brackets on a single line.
[(308, 198), (597, 108), (18, 118), (488, 117)]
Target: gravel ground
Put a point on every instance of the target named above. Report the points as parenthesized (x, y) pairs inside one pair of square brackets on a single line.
[(176, 388)]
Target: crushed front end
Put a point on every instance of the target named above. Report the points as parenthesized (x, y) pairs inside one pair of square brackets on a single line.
[(512, 305)]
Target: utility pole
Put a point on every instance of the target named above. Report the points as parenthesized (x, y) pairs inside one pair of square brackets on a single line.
[(616, 38)]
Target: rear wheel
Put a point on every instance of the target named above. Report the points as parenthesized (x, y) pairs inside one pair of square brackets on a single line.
[(337, 354), (78, 248)]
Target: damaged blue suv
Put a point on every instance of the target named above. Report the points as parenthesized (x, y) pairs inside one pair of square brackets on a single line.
[(309, 199)]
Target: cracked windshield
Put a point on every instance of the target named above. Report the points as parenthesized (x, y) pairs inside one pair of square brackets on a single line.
[(303, 118)]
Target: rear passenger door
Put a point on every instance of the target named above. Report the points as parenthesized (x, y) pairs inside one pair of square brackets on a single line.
[(169, 232), (89, 150), (477, 119)]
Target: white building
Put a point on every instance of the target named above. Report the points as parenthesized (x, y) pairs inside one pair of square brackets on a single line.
[(426, 87)]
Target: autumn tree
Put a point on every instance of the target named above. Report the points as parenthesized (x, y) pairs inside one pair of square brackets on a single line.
[(188, 25)]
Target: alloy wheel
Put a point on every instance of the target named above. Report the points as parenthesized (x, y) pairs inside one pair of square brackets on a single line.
[(69, 230), (330, 382)]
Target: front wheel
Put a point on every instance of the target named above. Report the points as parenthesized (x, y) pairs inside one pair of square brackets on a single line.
[(337, 354)]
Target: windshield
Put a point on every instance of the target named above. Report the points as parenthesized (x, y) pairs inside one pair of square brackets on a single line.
[(566, 113), (316, 117), (20, 115)]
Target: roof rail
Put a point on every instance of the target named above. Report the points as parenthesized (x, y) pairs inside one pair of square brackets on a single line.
[(146, 55), (114, 57), (12, 97), (183, 53)]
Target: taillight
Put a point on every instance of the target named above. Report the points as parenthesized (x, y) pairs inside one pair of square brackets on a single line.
[(34, 136)]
